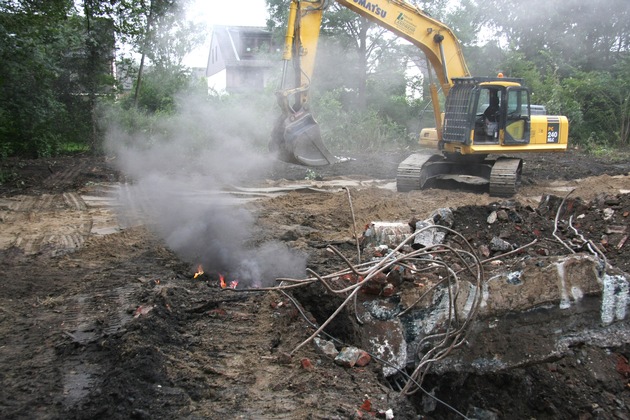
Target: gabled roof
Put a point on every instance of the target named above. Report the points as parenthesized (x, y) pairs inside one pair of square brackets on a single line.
[(232, 46)]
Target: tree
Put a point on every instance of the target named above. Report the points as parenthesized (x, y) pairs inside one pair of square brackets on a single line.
[(57, 64), (99, 53), (604, 105), (156, 30), (579, 35), (36, 41)]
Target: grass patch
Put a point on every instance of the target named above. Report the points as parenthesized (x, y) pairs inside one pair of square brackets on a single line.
[(73, 148), (610, 153)]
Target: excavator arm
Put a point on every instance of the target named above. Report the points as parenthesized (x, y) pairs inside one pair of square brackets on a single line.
[(296, 137)]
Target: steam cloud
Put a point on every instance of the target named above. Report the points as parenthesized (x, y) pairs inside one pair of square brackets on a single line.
[(178, 171)]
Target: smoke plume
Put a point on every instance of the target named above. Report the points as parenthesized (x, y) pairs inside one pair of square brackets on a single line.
[(179, 170)]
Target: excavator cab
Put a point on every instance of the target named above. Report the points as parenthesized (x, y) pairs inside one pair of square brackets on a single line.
[(487, 111)]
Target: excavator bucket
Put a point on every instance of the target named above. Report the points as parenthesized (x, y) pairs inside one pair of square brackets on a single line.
[(298, 140)]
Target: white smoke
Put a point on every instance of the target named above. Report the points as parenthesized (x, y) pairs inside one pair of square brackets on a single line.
[(179, 171)]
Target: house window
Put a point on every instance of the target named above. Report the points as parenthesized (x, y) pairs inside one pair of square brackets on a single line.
[(254, 44)]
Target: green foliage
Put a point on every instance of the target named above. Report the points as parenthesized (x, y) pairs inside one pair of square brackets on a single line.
[(42, 80), (158, 90), (604, 106), (610, 153), (130, 120), (56, 67), (311, 175), (199, 121), (353, 130)]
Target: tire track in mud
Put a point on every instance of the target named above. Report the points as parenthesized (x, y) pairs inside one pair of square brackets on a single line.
[(102, 311), (66, 176), (56, 224), (89, 317), (70, 308), (52, 355), (50, 224)]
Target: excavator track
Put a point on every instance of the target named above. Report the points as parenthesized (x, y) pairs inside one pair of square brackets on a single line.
[(502, 174), (505, 177), (410, 175)]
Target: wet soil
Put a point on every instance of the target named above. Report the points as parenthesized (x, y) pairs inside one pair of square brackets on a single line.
[(99, 319)]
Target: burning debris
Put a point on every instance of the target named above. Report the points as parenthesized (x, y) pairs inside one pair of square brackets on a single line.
[(223, 284)]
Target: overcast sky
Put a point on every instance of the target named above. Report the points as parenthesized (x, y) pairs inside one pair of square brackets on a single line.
[(221, 12)]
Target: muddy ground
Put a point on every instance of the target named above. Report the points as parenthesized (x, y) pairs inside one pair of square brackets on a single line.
[(99, 319)]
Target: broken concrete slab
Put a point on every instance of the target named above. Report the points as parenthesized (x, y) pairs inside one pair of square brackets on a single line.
[(541, 335), (386, 341), (553, 303)]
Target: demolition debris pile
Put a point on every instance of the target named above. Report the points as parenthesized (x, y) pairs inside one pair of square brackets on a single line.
[(429, 290)]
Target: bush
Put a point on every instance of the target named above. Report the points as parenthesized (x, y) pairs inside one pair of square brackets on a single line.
[(348, 131)]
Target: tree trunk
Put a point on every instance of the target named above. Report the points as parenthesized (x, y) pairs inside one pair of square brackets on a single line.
[(361, 88), (91, 74), (145, 44)]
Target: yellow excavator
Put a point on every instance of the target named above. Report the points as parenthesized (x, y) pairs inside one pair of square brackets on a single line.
[(484, 117)]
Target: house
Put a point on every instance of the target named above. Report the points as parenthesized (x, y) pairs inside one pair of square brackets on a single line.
[(241, 59)]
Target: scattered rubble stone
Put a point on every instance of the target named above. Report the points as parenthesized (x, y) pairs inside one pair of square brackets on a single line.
[(388, 290), (498, 244), (364, 359), (325, 347), (502, 215), (385, 233), (306, 364), (348, 357), (432, 236)]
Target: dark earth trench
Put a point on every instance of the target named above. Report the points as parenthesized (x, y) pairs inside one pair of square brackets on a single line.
[(99, 318)]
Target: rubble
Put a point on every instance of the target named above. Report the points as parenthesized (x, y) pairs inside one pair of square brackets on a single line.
[(348, 356), (429, 236), (449, 302), (325, 347)]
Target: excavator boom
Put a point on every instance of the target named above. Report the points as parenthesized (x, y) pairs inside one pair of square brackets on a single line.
[(296, 137)]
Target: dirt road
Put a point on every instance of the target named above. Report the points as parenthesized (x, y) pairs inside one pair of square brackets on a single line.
[(100, 319)]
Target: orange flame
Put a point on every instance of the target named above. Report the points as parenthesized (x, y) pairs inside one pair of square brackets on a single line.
[(199, 271), (224, 284)]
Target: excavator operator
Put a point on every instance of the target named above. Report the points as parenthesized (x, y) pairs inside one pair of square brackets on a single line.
[(491, 115), (492, 112)]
